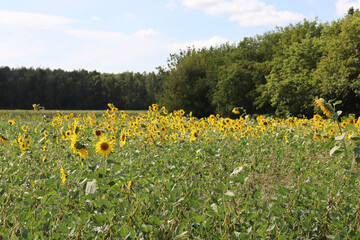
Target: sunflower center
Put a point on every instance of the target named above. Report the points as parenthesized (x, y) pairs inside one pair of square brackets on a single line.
[(104, 146)]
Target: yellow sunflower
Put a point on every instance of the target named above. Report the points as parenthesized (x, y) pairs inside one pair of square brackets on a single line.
[(23, 147), (123, 138), (155, 107), (82, 152), (235, 111), (68, 133), (163, 128), (104, 147), (36, 108), (3, 140), (63, 175), (97, 132), (325, 109)]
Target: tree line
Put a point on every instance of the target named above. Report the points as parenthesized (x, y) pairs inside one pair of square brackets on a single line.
[(80, 89), (279, 72)]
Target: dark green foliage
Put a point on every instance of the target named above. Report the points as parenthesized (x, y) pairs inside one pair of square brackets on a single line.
[(188, 82), (58, 89), (278, 72)]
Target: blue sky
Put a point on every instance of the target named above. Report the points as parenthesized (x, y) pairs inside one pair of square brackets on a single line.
[(114, 36)]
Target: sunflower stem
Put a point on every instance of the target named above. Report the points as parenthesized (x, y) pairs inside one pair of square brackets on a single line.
[(106, 165), (336, 119)]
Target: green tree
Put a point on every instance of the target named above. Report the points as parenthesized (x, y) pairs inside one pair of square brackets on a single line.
[(337, 74), (186, 85)]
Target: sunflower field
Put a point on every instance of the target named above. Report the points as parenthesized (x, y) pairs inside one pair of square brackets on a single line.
[(162, 175)]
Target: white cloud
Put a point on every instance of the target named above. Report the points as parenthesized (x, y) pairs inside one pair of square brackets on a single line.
[(107, 51), (245, 12), (342, 6), (96, 18), (214, 41), (15, 51), (200, 4), (171, 5), (129, 15), (24, 19), (146, 33), (265, 17), (92, 34)]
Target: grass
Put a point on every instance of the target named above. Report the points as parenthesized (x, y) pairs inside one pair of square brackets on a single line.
[(176, 177)]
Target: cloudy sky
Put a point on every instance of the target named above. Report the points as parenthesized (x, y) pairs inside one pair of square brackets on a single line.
[(114, 36)]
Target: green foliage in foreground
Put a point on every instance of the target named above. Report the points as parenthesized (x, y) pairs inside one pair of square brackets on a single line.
[(253, 187)]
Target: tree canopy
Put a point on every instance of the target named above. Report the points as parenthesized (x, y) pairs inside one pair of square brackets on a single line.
[(281, 71)]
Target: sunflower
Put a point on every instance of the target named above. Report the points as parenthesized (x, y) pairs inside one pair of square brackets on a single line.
[(68, 133), (82, 152), (23, 147), (36, 108), (323, 106), (63, 175), (122, 138), (155, 107), (163, 109), (24, 128), (104, 147), (163, 128), (97, 132), (193, 136), (235, 111), (73, 143), (3, 139)]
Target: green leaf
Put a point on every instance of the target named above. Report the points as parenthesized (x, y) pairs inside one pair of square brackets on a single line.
[(43, 200), (357, 150), (350, 127), (180, 228), (99, 219), (62, 228), (199, 219), (90, 187), (341, 137), (109, 161), (337, 102), (335, 150), (146, 228), (356, 140), (155, 220)]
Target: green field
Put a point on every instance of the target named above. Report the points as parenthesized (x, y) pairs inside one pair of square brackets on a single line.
[(159, 175)]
